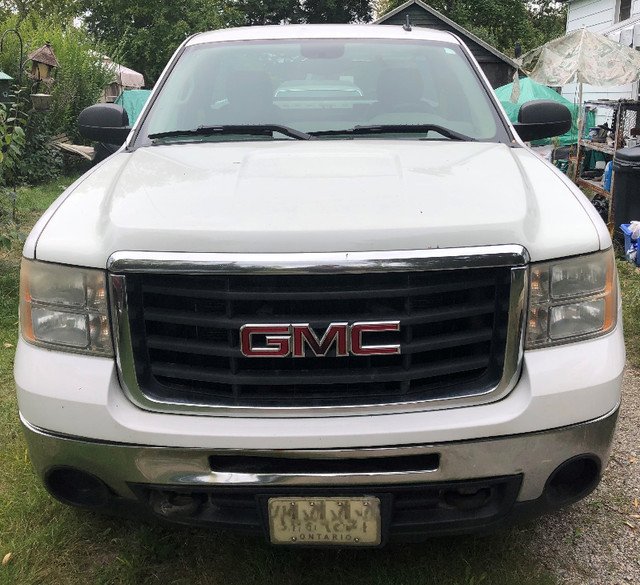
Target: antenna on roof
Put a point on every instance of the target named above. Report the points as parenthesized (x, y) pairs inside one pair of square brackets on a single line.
[(407, 25)]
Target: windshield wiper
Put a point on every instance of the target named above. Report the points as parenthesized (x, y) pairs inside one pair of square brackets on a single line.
[(250, 129), (397, 129)]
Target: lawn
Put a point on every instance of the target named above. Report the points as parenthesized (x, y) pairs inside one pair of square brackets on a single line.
[(42, 541)]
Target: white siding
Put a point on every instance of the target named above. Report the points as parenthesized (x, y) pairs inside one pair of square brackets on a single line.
[(593, 14), (635, 7)]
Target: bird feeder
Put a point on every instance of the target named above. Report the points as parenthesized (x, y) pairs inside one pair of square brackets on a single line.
[(5, 83), (43, 62)]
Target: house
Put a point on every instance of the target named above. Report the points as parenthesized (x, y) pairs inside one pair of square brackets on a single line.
[(498, 68), (618, 20)]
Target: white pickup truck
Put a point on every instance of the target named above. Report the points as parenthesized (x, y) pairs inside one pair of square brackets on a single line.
[(322, 293)]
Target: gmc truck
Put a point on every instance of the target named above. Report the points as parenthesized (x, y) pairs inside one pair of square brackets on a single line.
[(323, 293)]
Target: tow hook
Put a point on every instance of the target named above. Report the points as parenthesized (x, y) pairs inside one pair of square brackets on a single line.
[(171, 504)]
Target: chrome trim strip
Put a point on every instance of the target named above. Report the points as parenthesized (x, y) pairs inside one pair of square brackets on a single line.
[(318, 263), (514, 349), (536, 455)]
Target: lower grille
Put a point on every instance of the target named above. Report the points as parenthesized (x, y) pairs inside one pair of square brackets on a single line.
[(408, 511), (454, 330)]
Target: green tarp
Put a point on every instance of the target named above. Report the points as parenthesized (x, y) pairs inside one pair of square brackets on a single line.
[(530, 91), (133, 100)]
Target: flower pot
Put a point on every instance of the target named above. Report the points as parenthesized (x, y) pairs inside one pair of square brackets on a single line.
[(41, 101)]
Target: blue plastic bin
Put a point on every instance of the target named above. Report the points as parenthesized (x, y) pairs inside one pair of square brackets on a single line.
[(630, 245)]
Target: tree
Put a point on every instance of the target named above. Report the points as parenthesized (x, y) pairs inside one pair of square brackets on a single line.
[(335, 11), (501, 23), (271, 12), (547, 20), (143, 34), (53, 10), (298, 11)]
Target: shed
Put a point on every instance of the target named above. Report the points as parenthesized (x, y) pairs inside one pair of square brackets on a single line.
[(124, 78), (498, 68)]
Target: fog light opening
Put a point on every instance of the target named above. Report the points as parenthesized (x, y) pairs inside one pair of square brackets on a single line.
[(171, 504), (467, 498), (573, 480), (76, 487)]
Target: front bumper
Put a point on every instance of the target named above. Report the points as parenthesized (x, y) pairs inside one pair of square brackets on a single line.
[(424, 489)]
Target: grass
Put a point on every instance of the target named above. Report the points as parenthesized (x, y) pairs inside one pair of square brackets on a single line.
[(52, 544), (630, 288)]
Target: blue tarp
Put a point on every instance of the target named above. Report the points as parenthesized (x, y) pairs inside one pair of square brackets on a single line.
[(133, 100)]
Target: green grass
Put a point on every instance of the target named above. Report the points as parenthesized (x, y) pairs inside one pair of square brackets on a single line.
[(630, 288), (55, 545)]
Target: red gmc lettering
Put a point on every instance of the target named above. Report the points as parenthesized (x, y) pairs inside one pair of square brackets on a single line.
[(296, 339), (277, 340), (358, 348), (335, 333)]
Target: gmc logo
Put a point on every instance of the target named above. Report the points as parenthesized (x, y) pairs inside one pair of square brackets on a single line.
[(300, 340)]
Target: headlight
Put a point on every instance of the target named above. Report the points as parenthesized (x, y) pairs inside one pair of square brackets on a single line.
[(64, 308), (572, 299)]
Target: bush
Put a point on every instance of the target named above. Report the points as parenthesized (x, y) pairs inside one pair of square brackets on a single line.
[(41, 160), (81, 76), (12, 142), (80, 80)]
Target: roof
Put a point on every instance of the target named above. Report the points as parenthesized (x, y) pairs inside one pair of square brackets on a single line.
[(4, 76), (621, 25), (319, 31), (124, 76), (459, 29), (44, 55)]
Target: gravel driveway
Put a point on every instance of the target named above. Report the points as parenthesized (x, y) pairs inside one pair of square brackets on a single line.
[(597, 541)]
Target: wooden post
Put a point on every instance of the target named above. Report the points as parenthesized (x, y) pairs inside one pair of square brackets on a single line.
[(581, 119)]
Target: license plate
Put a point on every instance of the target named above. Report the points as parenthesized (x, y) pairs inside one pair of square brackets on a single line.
[(325, 521)]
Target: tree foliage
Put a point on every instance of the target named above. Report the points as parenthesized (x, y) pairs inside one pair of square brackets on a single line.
[(12, 142), (501, 23), (255, 12), (298, 11), (320, 11), (29, 157), (52, 10), (81, 77), (143, 34), (547, 20)]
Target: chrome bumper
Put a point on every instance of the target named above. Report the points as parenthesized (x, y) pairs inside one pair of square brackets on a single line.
[(534, 456)]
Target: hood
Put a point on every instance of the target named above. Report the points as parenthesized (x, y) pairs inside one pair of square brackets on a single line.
[(316, 196)]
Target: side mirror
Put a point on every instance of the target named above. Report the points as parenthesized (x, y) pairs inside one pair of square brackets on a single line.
[(542, 119), (104, 123)]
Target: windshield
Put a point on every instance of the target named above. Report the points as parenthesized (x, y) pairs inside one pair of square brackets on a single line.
[(320, 88)]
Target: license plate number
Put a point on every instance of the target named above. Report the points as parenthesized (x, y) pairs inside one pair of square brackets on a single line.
[(325, 521)]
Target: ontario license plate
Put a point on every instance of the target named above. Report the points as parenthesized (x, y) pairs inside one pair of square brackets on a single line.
[(325, 521)]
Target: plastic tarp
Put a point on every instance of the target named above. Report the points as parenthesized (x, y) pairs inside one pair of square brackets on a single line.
[(585, 57), (531, 91), (133, 100), (123, 75)]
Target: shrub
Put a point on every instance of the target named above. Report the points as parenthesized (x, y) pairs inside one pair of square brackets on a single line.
[(81, 76), (41, 161), (80, 80), (12, 142)]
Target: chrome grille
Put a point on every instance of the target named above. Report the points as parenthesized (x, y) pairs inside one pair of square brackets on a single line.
[(459, 336)]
